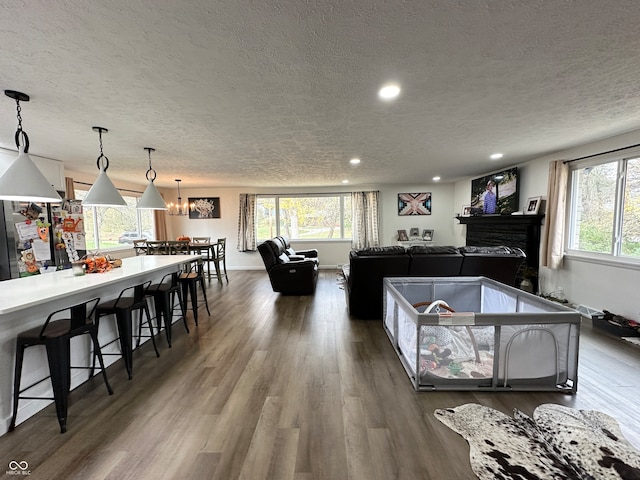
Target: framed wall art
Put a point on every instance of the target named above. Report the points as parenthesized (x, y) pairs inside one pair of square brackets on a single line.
[(414, 203), (204, 207)]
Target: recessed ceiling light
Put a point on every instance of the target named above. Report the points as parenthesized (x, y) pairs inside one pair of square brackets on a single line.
[(496, 156), (345, 181), (436, 179), (354, 161), (389, 92)]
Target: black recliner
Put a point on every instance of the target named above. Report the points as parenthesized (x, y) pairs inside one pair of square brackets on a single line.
[(290, 272)]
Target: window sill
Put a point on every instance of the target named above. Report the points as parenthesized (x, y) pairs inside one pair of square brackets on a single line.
[(608, 260)]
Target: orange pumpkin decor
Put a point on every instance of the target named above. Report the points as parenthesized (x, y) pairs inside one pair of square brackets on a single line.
[(182, 238), (97, 265)]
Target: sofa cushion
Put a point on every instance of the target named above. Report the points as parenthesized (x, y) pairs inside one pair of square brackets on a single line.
[(432, 250), (284, 258), (501, 250), (374, 251)]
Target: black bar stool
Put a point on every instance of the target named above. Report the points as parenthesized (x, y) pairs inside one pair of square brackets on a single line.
[(55, 335), (189, 281), (123, 308), (164, 295)]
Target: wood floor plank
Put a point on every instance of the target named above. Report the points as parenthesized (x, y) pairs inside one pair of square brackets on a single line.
[(287, 388)]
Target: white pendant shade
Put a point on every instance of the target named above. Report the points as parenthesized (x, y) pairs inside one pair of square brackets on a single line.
[(151, 199), (23, 182), (103, 193)]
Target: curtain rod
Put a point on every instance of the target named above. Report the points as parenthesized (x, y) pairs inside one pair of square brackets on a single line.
[(119, 189), (602, 153)]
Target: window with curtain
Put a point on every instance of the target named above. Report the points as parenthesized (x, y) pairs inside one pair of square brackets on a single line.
[(605, 208), (110, 227), (304, 217)]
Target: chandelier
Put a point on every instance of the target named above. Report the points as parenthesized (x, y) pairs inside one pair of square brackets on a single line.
[(178, 208)]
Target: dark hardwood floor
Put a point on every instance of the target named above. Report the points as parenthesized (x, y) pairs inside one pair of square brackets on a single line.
[(274, 387)]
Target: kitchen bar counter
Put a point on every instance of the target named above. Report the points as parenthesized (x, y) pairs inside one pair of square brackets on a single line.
[(26, 303)]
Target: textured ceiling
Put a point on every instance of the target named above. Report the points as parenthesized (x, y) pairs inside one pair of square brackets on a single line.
[(283, 92)]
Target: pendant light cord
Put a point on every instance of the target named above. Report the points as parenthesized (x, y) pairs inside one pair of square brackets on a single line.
[(151, 170), (102, 155), (20, 132)]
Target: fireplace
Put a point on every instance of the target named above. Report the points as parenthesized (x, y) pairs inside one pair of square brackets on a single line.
[(522, 231)]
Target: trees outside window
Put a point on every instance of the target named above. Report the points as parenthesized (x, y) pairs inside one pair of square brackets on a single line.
[(113, 227), (605, 208), (304, 217)]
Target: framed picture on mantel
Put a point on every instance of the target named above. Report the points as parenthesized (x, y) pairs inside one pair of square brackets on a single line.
[(533, 205)]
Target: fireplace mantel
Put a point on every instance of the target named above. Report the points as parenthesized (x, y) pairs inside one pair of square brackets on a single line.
[(501, 219), (522, 231)]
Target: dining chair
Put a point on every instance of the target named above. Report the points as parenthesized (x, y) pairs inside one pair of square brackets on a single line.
[(219, 259), (205, 240), (202, 245), (140, 247), (178, 247), (157, 247)]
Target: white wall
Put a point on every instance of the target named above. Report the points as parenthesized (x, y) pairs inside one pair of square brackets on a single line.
[(441, 220)]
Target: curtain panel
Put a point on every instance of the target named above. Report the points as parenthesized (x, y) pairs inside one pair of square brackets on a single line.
[(553, 238), (365, 219), (69, 189), (247, 223)]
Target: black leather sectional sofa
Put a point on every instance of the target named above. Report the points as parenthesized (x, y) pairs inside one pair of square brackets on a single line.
[(291, 272), (367, 268)]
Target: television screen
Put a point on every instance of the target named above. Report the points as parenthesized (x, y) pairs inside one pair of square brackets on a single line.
[(495, 194)]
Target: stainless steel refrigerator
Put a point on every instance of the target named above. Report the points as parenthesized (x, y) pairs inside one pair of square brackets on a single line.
[(37, 238)]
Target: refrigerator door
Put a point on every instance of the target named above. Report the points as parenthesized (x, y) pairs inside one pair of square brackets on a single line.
[(29, 238), (8, 265)]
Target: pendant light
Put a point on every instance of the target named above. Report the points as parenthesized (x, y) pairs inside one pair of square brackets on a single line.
[(22, 181), (151, 198), (180, 208), (103, 193)]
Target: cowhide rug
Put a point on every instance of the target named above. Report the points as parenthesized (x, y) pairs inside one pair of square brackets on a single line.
[(557, 443)]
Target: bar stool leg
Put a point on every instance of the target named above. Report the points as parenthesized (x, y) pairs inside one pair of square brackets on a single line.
[(59, 356), (183, 307), (98, 353), (153, 340), (189, 288), (204, 294), (20, 348), (166, 305), (123, 321)]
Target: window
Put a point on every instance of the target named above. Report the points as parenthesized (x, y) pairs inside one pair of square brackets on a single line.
[(110, 227), (304, 217), (605, 208)]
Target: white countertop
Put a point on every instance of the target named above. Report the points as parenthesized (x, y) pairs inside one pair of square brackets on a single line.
[(21, 293)]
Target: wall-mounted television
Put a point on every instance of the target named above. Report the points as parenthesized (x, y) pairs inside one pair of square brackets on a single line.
[(495, 194)]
